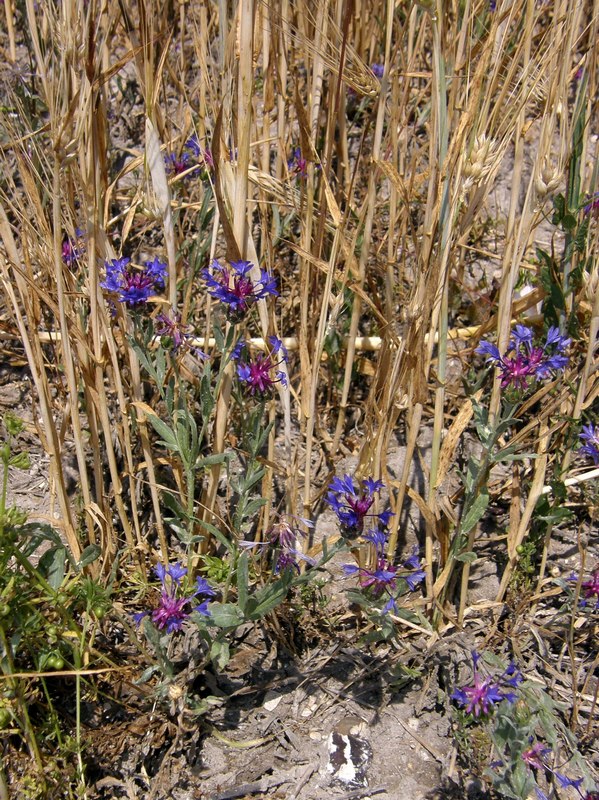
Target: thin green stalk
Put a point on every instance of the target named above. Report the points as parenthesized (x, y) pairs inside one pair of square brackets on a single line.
[(4, 493), (15, 684)]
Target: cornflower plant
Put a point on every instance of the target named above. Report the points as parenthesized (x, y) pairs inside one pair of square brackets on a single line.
[(258, 374), (235, 289), (590, 436), (297, 164), (202, 155), (383, 584), (352, 502), (592, 205), (524, 362), (282, 544), (537, 758), (512, 714), (589, 589), (175, 605), (134, 287), (176, 336), (479, 699), (73, 249)]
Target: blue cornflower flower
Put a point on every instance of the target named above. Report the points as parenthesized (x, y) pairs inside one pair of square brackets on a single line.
[(589, 589), (352, 503), (260, 373), (278, 347), (235, 288), (297, 164), (554, 337), (385, 577), (73, 249), (524, 362), (173, 608), (202, 155), (537, 757), (378, 70), (592, 206), (590, 437), (176, 335), (479, 698), (282, 540), (134, 287), (413, 561), (177, 165), (489, 350)]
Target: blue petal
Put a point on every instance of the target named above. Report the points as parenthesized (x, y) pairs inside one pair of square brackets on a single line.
[(489, 350)]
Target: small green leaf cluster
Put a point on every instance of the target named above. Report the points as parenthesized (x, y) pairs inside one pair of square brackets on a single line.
[(49, 607)]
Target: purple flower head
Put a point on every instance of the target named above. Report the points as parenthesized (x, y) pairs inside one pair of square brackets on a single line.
[(176, 335), (177, 165), (171, 612), (202, 156), (259, 374), (378, 70), (73, 249), (480, 698), (524, 362), (284, 534), (297, 164), (385, 578), (175, 606), (515, 371), (134, 287), (282, 540), (352, 504), (235, 289), (379, 580), (592, 207), (536, 756), (590, 437), (589, 589)]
